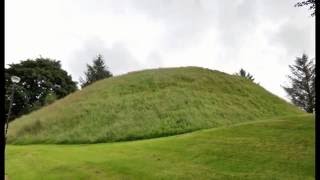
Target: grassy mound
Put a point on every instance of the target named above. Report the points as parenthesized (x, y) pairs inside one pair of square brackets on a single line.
[(280, 148), (147, 104)]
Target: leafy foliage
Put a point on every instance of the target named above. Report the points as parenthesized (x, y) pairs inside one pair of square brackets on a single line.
[(50, 98), (245, 74), (39, 77), (302, 89), (95, 72), (310, 3)]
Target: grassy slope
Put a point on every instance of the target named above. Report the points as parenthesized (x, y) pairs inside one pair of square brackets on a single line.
[(146, 104), (281, 148)]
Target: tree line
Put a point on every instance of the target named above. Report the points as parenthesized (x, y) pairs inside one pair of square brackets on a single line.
[(43, 81), (301, 89)]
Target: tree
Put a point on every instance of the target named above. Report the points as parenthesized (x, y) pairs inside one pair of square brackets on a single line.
[(245, 74), (95, 72), (302, 89), (310, 3), (40, 78)]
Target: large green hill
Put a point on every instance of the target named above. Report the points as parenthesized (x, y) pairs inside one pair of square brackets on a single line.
[(147, 104)]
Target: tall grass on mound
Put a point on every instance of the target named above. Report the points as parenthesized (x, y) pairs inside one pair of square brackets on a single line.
[(147, 104)]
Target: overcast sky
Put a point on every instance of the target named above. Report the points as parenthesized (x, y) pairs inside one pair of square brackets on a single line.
[(261, 36)]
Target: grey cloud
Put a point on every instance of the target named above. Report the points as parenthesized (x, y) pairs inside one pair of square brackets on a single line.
[(117, 57), (184, 20), (295, 39), (120, 59), (236, 22), (187, 21)]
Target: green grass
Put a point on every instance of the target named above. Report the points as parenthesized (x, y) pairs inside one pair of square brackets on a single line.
[(278, 148), (241, 130), (148, 104)]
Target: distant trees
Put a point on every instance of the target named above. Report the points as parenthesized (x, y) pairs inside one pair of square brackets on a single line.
[(42, 81), (310, 3), (245, 74), (302, 88), (95, 72)]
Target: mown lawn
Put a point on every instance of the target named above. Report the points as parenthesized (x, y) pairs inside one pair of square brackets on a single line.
[(281, 148)]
